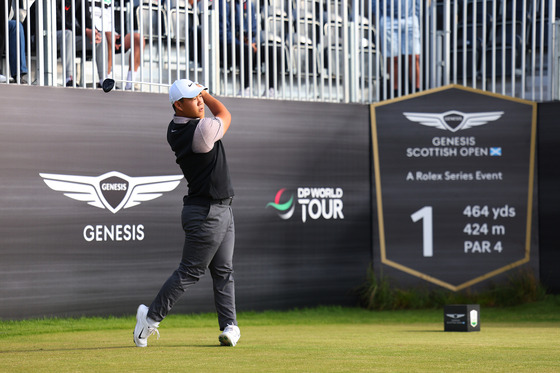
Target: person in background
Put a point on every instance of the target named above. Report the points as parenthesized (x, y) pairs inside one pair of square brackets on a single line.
[(3, 19), (238, 38), (13, 24), (400, 18), (72, 17), (244, 39), (104, 21)]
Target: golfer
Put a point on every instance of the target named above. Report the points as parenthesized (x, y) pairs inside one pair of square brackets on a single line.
[(207, 217)]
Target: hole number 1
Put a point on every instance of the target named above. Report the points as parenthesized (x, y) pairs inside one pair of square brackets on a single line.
[(425, 213)]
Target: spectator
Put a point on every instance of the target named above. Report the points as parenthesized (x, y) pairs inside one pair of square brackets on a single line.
[(12, 40), (195, 29), (3, 19), (104, 21), (245, 48), (2, 37), (73, 18), (243, 39), (400, 18), (12, 24)]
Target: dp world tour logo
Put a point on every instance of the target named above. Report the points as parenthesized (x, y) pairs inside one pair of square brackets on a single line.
[(454, 120), (315, 203), (285, 210), (112, 191)]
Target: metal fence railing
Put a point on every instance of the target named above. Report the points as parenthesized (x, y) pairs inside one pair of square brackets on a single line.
[(317, 50)]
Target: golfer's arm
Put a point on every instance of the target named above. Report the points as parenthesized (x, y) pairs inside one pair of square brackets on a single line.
[(218, 109)]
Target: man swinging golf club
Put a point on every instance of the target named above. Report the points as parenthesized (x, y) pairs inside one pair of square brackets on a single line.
[(207, 216)]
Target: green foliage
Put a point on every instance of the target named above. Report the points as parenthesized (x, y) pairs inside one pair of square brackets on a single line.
[(378, 293)]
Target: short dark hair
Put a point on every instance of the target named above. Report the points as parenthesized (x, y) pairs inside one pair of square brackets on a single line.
[(173, 105)]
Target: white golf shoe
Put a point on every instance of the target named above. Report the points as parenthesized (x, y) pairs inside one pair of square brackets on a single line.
[(230, 336), (143, 330)]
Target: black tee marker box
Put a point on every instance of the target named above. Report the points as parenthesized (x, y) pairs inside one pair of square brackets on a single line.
[(461, 318)]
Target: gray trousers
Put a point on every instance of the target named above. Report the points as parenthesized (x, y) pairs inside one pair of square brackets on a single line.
[(100, 53), (209, 242)]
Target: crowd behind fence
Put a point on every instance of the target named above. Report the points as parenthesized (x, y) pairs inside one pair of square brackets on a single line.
[(317, 50)]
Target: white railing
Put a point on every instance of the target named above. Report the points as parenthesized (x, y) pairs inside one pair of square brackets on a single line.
[(315, 50)]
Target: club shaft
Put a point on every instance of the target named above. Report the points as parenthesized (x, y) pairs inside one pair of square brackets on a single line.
[(156, 84)]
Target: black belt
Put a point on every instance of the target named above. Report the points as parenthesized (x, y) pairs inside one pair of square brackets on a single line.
[(206, 201)]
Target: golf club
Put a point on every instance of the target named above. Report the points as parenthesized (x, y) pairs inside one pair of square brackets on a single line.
[(109, 83)]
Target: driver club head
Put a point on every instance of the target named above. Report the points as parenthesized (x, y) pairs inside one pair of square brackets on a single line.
[(108, 84)]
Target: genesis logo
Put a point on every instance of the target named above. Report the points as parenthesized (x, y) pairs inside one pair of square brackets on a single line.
[(455, 315), (112, 191), (454, 120), (285, 210)]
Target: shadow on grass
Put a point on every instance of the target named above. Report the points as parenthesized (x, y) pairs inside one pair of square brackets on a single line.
[(66, 349), (102, 348)]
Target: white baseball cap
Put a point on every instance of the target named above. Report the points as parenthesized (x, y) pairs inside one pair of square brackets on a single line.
[(184, 88)]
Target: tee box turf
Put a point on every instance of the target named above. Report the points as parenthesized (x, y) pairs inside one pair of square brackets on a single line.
[(461, 318)]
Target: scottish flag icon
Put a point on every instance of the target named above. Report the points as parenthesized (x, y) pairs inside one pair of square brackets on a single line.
[(496, 152)]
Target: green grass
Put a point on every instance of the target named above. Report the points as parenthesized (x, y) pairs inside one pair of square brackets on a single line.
[(523, 338)]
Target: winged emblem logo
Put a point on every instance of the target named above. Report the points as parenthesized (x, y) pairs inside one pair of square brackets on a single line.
[(455, 315), (454, 120), (113, 190)]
